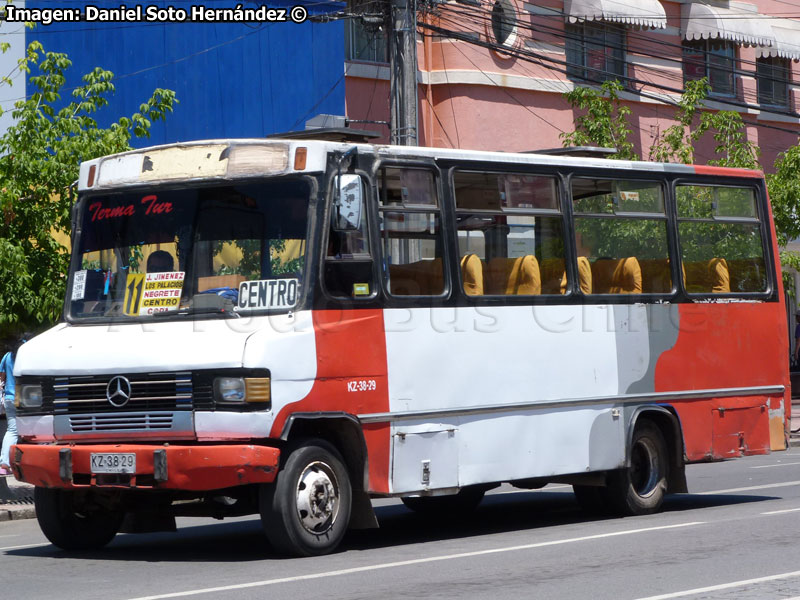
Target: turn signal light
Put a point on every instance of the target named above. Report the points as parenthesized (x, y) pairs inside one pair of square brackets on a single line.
[(300, 155), (257, 389)]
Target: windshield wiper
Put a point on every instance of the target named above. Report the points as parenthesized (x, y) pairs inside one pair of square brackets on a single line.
[(210, 310)]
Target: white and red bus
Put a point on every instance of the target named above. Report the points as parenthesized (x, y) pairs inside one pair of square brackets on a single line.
[(291, 328)]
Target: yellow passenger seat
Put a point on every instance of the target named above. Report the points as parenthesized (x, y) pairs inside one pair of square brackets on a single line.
[(585, 275), (554, 276), (704, 277), (513, 276), (472, 274), (616, 276)]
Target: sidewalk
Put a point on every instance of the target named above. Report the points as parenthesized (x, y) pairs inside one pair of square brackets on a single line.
[(16, 498)]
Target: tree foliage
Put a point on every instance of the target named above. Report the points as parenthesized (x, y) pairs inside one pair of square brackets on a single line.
[(676, 144), (39, 160), (605, 122)]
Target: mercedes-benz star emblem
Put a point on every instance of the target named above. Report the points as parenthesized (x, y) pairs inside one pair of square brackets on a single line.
[(118, 391)]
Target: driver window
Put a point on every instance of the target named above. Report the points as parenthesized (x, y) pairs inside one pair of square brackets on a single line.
[(348, 262)]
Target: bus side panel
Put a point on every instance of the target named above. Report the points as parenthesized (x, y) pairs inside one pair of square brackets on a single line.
[(351, 378), (728, 345), (450, 359)]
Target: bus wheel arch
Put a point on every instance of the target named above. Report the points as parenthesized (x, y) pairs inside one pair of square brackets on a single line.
[(343, 431), (666, 419), (653, 463)]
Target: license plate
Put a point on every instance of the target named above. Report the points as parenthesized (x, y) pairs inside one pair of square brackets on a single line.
[(110, 462)]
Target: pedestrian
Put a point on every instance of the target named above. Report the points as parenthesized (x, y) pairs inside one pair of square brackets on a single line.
[(7, 374), (796, 354)]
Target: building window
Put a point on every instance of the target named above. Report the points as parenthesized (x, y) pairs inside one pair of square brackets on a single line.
[(773, 81), (365, 42), (713, 59), (504, 19), (595, 51)]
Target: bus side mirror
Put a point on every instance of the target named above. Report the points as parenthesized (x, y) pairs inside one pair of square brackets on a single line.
[(349, 196)]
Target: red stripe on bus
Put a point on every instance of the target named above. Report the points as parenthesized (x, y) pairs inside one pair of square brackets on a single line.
[(712, 352), (727, 171), (351, 378)]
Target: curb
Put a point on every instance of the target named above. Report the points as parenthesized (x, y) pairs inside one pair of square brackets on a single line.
[(10, 512), (16, 500)]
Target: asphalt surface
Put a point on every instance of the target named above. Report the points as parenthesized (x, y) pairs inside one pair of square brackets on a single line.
[(734, 536)]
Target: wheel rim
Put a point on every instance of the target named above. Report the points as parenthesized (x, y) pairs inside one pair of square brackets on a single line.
[(317, 498), (645, 469)]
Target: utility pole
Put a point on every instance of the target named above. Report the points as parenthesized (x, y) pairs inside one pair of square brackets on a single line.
[(403, 66)]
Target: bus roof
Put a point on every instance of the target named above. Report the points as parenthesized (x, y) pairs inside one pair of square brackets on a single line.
[(229, 159)]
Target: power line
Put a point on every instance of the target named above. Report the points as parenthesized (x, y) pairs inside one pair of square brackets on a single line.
[(531, 56), (604, 74)]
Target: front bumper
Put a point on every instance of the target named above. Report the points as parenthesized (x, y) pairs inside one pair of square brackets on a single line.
[(194, 468)]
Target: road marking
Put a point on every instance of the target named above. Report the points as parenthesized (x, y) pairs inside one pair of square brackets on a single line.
[(417, 561), (25, 546), (780, 512), (778, 465), (750, 488), (724, 586)]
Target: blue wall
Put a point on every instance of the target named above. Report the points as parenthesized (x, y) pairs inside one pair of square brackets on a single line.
[(231, 79)]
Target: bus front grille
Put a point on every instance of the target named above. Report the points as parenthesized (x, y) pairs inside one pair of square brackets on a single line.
[(145, 392), (137, 422), (163, 425)]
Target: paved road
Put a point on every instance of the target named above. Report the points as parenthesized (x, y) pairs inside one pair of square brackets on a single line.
[(736, 536)]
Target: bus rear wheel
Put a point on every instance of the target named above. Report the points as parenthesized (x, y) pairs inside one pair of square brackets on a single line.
[(306, 510), (73, 522), (640, 488)]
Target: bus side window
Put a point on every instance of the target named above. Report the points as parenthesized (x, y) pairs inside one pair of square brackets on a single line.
[(621, 237), (348, 269), (720, 238), (510, 234), (411, 232)]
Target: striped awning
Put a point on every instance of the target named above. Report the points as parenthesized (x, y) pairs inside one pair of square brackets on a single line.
[(702, 21), (787, 40), (640, 13)]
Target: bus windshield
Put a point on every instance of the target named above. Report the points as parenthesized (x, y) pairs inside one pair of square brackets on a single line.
[(167, 252)]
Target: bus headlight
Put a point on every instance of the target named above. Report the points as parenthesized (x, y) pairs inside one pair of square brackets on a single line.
[(28, 395), (229, 389), (238, 390)]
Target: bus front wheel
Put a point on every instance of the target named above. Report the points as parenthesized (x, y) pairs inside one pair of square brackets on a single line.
[(73, 522), (640, 488), (306, 510)]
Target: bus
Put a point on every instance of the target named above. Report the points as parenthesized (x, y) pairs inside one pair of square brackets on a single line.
[(291, 328)]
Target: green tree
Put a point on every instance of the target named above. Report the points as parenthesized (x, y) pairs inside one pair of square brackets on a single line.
[(784, 192), (605, 122), (676, 144), (39, 158), (732, 145)]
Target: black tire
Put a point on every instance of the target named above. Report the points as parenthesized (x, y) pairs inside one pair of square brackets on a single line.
[(298, 522), (640, 488), (71, 525), (592, 499), (462, 503)]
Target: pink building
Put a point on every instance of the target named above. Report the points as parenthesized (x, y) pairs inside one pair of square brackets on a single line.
[(493, 73)]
